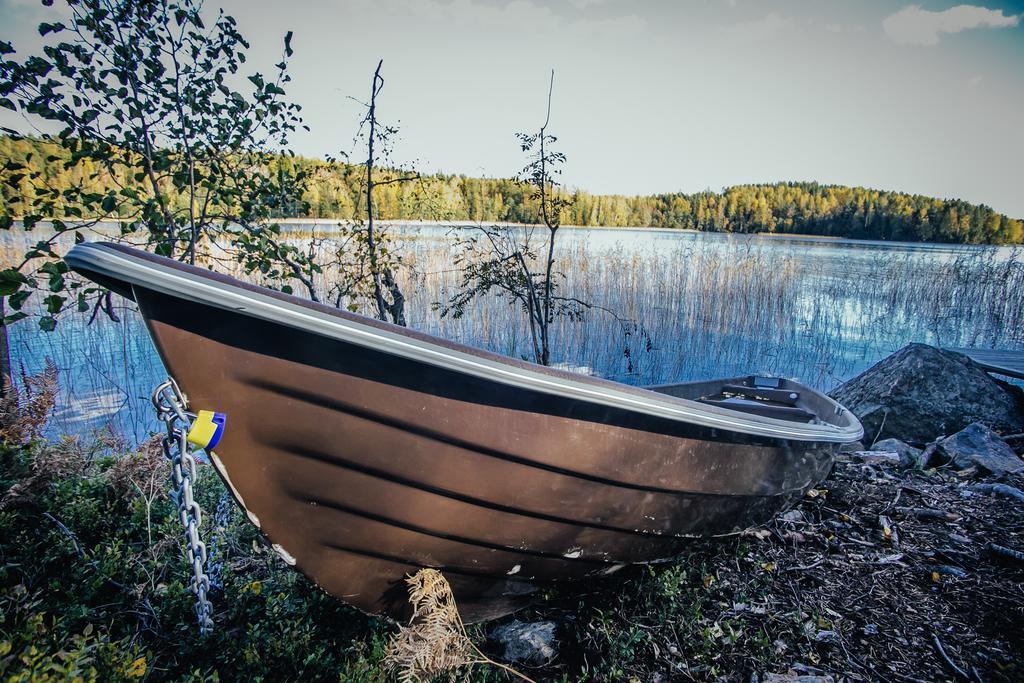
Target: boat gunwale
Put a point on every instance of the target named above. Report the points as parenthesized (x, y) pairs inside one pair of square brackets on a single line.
[(138, 268)]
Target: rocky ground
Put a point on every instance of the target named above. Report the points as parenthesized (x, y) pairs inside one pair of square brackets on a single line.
[(880, 574)]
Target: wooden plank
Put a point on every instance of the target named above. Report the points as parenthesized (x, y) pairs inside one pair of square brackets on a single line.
[(1010, 363)]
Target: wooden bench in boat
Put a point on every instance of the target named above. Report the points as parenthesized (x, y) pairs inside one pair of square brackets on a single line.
[(765, 396)]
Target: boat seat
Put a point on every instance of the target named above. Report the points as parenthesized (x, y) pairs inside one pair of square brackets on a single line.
[(767, 409), (784, 396)]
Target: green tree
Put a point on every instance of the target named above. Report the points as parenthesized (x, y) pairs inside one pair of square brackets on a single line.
[(166, 136)]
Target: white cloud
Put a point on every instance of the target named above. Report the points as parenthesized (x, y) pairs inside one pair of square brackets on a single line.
[(913, 25)]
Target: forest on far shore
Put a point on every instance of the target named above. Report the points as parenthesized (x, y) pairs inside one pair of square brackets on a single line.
[(336, 190)]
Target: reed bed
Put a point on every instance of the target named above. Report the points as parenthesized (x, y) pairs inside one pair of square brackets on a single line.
[(703, 306)]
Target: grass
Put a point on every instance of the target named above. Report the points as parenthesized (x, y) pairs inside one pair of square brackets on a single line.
[(93, 584)]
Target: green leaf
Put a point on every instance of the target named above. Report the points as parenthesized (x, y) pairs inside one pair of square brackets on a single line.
[(288, 43), (45, 28), (56, 270), (48, 324), (11, 281), (16, 300), (6, 48), (109, 203), (53, 267), (54, 303), (14, 317)]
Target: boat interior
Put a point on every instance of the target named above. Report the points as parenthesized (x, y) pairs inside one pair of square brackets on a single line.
[(772, 397)]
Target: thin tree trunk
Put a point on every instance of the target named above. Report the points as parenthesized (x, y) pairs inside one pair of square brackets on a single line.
[(552, 229), (5, 354), (371, 242), (397, 307), (382, 277)]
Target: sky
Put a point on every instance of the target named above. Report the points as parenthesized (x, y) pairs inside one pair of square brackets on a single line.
[(659, 95)]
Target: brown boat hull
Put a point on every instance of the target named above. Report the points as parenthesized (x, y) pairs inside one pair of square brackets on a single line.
[(364, 451), (363, 481)]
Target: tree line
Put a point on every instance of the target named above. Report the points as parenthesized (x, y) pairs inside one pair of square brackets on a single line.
[(335, 190)]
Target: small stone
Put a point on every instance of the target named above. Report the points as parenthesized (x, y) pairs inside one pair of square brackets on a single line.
[(851, 447), (949, 570), (909, 456), (527, 643), (884, 458), (794, 677), (792, 516), (978, 446), (826, 637)]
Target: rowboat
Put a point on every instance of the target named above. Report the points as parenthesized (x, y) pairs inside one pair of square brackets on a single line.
[(364, 451)]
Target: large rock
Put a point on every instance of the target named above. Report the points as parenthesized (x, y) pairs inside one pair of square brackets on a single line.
[(978, 446), (921, 393), (527, 643)]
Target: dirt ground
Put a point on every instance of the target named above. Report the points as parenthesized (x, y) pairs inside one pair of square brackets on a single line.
[(879, 574)]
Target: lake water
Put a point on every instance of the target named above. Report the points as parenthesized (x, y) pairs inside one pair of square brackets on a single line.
[(688, 306)]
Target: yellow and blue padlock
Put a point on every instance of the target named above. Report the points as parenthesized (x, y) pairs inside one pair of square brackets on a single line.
[(207, 429)]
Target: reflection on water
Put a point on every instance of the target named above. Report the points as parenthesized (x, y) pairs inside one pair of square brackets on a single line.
[(818, 310)]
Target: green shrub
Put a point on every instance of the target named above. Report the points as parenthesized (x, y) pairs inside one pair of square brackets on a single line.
[(93, 582)]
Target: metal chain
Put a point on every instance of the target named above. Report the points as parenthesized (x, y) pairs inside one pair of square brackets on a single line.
[(171, 406)]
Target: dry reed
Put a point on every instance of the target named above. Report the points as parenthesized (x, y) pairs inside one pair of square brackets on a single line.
[(435, 642), (25, 410)]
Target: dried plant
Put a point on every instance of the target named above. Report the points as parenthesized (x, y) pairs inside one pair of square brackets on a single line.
[(55, 461), (435, 642), (142, 472), (24, 414)]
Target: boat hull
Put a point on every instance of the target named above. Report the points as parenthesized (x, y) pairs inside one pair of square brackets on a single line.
[(364, 470), (361, 464)]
